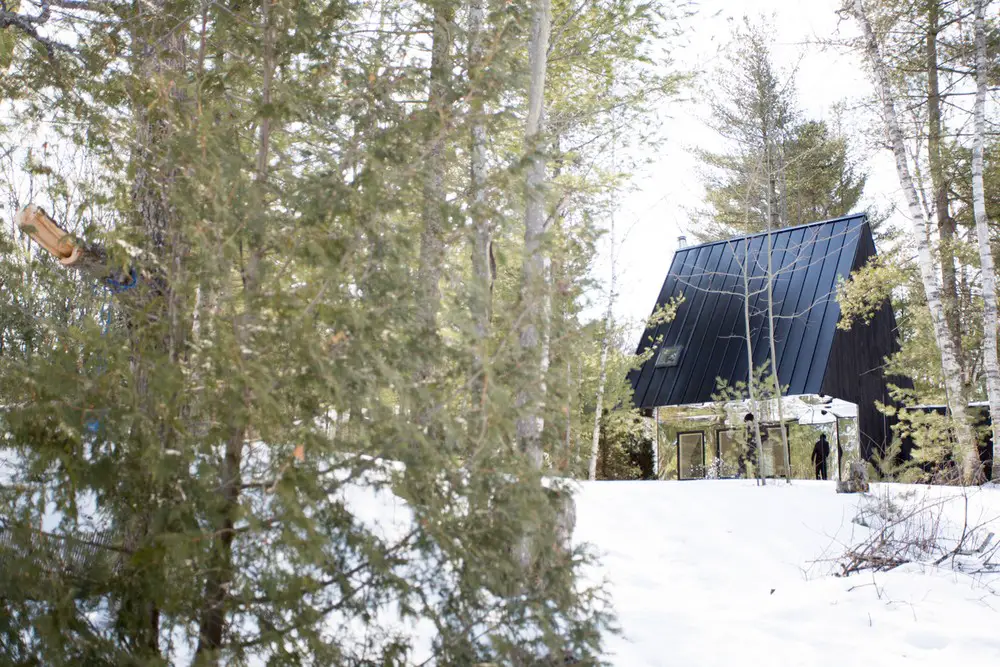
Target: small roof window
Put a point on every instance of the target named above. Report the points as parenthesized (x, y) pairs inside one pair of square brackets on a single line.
[(669, 356)]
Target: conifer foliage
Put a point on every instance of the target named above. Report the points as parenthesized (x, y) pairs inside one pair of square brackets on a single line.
[(777, 169), (281, 328)]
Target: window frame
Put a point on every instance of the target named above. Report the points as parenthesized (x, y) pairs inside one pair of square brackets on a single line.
[(675, 352), (788, 435), (680, 468), (718, 446)]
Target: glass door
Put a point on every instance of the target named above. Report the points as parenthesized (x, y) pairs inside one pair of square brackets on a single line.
[(774, 453), (729, 453), (691, 455)]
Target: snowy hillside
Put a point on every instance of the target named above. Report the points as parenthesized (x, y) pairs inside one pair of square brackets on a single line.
[(724, 573)]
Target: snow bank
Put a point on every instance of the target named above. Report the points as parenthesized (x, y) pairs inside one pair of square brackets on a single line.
[(720, 572)]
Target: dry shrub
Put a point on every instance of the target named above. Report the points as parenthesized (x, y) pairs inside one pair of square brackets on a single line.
[(905, 528)]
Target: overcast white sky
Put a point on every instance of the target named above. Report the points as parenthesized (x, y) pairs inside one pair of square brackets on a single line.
[(651, 217)]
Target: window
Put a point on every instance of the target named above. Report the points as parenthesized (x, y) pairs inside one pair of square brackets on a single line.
[(773, 461), (691, 455), (729, 453), (668, 357)]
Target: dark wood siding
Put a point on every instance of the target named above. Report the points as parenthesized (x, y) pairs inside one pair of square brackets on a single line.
[(855, 371)]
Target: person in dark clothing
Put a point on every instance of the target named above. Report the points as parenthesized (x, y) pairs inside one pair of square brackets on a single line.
[(821, 451), (747, 454)]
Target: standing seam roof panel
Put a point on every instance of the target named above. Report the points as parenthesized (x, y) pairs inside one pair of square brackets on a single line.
[(639, 380), (673, 328), (668, 292), (735, 347), (808, 260), (722, 310), (799, 332), (708, 295), (826, 291), (755, 287), (696, 281), (779, 294), (762, 342), (793, 291)]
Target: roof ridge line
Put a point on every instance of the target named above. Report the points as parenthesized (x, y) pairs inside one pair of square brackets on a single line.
[(780, 230)]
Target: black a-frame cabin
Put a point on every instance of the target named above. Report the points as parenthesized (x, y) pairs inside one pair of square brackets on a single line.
[(707, 338)]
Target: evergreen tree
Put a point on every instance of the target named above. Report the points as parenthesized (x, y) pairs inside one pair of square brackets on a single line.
[(777, 167), (268, 331)]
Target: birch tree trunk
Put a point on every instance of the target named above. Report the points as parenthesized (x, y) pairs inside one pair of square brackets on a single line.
[(602, 377), (531, 397), (990, 320), (950, 366)]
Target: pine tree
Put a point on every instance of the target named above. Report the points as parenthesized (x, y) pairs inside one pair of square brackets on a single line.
[(777, 169)]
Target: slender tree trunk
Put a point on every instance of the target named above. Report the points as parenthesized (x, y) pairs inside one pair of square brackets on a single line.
[(482, 231), (602, 377), (568, 444), (774, 356), (656, 443), (546, 346), (751, 391), (950, 366), (773, 203), (531, 397), (946, 224), (212, 622), (434, 205), (990, 320)]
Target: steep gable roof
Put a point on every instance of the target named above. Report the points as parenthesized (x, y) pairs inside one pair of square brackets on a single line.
[(709, 327)]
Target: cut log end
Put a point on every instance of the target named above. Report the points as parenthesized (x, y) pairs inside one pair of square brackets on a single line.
[(36, 223)]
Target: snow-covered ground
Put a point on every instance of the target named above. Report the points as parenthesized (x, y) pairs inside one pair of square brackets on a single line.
[(721, 572)]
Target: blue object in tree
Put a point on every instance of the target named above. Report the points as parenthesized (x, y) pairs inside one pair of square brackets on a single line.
[(116, 284)]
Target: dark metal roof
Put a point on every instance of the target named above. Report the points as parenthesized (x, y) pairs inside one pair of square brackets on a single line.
[(807, 263)]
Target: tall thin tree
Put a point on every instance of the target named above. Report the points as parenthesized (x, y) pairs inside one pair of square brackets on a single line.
[(602, 373), (950, 366), (531, 396), (482, 231), (990, 320)]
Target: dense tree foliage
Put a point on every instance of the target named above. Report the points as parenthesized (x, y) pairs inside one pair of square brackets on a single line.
[(303, 227)]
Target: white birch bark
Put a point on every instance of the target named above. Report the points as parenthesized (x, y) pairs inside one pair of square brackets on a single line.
[(990, 322), (530, 398), (925, 252), (774, 360), (656, 443)]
